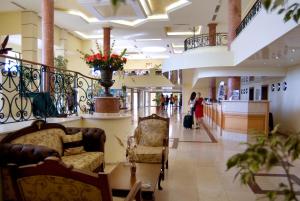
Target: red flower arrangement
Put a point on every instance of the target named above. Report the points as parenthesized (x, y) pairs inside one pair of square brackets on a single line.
[(100, 61)]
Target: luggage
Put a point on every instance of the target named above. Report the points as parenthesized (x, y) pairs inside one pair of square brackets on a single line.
[(188, 121)]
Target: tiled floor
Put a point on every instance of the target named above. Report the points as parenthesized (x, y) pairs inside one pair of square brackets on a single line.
[(197, 168)]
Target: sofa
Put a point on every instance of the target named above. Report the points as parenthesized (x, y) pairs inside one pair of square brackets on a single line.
[(40, 140)]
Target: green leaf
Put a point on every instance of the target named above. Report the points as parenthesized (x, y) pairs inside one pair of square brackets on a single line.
[(233, 161), (281, 11), (271, 195), (288, 15), (267, 4)]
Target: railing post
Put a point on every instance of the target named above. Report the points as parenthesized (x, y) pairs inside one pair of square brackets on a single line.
[(76, 92)]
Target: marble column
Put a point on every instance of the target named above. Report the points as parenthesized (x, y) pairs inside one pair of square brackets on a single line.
[(29, 30), (132, 99), (233, 83), (234, 18), (47, 38), (212, 91), (106, 40), (212, 31)]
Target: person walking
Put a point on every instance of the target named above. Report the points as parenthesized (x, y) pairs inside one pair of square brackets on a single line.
[(198, 110), (171, 100), (162, 102), (192, 102), (167, 102)]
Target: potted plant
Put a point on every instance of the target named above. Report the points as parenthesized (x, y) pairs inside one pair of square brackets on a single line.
[(106, 64), (157, 101), (265, 154)]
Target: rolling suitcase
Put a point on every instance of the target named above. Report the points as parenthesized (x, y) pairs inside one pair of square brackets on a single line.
[(188, 121)]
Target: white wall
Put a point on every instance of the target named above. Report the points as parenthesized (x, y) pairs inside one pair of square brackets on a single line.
[(284, 105)]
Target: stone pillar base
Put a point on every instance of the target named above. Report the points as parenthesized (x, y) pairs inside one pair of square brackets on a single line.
[(107, 105)]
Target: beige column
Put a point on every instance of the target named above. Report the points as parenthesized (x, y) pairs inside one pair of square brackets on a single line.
[(29, 44), (47, 38), (63, 43), (234, 18), (233, 83), (212, 91), (106, 40), (212, 31)]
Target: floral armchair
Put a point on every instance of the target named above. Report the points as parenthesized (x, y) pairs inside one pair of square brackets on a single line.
[(54, 180), (152, 140)]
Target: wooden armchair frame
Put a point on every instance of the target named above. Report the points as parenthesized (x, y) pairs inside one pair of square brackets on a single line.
[(53, 166), (164, 161)]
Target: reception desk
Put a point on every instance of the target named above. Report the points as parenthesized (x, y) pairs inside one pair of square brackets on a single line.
[(248, 117)]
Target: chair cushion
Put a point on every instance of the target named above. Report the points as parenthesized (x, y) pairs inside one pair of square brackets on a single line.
[(89, 161), (153, 132), (146, 154), (48, 138), (73, 144), (46, 187)]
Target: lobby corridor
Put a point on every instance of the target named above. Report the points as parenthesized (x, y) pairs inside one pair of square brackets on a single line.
[(197, 167)]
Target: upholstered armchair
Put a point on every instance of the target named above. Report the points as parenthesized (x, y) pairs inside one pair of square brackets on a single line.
[(54, 180), (152, 139)]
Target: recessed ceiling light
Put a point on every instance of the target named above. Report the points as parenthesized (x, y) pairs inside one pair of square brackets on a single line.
[(154, 49), (276, 57), (293, 50), (147, 39)]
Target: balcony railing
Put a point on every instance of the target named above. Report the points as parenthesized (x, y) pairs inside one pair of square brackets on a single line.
[(203, 41), (22, 97), (250, 15)]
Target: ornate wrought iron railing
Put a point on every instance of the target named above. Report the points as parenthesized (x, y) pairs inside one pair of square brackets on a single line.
[(203, 41), (23, 96), (252, 12)]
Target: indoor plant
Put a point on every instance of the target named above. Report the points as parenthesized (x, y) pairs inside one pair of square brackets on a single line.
[(265, 154), (106, 64)]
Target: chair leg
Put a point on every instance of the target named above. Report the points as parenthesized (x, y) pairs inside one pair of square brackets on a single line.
[(167, 164)]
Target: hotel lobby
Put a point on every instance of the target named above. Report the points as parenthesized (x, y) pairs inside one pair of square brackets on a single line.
[(96, 100)]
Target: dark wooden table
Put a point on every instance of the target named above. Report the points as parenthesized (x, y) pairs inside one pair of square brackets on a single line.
[(121, 180)]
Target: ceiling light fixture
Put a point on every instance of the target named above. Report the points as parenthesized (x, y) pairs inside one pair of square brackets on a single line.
[(171, 7), (82, 15), (154, 49), (147, 39), (184, 33), (293, 50)]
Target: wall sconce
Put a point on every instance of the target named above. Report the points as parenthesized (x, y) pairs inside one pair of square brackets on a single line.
[(284, 86), (273, 87)]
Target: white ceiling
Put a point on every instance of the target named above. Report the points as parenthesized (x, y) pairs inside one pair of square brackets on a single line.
[(196, 13)]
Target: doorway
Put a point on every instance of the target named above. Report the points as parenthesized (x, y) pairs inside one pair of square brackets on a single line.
[(264, 92), (251, 93)]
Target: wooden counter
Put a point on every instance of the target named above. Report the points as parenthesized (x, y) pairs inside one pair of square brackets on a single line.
[(250, 117)]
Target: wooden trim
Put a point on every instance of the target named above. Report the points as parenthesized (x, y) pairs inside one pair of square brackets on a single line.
[(37, 125), (55, 167), (244, 123)]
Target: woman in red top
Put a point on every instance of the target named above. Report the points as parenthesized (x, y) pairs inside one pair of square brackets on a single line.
[(199, 109)]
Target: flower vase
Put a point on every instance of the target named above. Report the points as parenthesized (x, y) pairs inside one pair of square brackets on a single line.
[(132, 169), (106, 81)]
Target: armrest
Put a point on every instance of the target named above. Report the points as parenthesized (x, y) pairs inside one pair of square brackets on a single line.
[(93, 138), (24, 154), (135, 192)]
